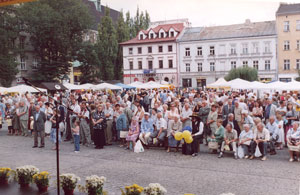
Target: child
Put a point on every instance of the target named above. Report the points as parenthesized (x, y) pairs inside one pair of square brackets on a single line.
[(75, 131)]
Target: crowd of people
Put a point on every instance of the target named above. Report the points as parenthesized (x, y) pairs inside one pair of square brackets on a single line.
[(243, 123)]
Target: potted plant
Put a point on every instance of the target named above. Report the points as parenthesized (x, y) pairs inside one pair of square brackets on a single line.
[(68, 182), (42, 181), (24, 175), (5, 172), (155, 188), (132, 190), (93, 185)]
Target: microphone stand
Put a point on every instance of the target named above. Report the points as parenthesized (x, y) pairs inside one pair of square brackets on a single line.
[(57, 129)]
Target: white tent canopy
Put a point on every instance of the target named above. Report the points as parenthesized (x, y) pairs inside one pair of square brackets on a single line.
[(136, 84), (106, 86), (257, 85), (24, 89), (72, 86), (220, 83), (87, 86), (239, 84), (152, 85)]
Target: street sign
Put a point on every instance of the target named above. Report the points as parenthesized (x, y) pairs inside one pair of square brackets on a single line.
[(10, 2)]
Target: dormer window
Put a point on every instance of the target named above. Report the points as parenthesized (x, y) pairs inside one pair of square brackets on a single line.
[(161, 35), (172, 34), (141, 37), (151, 36)]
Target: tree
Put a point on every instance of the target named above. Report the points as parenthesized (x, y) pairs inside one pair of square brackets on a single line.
[(88, 58), (245, 73), (123, 34), (107, 46), (9, 32), (56, 29)]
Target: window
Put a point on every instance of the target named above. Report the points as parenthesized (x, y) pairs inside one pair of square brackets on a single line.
[(140, 63), (150, 65), (298, 25), (267, 65), (255, 48), (286, 64), (186, 82), (130, 50), (131, 65), (170, 48), (233, 64), (149, 49), (170, 63), (255, 64), (187, 52), (22, 42), (245, 63), (298, 64), (23, 63), (267, 47), (245, 48), (35, 63), (286, 45), (212, 50), (199, 51), (161, 63), (160, 49), (298, 45), (212, 67), (141, 37), (187, 67), (161, 35), (286, 26), (172, 34), (151, 36), (199, 67), (139, 50), (233, 50)]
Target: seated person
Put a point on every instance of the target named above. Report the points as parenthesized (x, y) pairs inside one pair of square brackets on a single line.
[(160, 130), (230, 119), (218, 136), (245, 139), (133, 133), (260, 139), (175, 126), (230, 139), (146, 129), (274, 133), (293, 141)]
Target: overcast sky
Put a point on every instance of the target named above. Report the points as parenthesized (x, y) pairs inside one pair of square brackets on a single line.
[(203, 12)]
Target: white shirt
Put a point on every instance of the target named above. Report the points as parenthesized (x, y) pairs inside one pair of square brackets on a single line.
[(186, 113), (161, 123)]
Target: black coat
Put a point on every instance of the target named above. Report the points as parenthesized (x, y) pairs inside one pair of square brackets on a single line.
[(235, 125)]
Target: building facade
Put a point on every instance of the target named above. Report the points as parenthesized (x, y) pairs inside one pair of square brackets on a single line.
[(288, 32), (152, 54), (206, 54)]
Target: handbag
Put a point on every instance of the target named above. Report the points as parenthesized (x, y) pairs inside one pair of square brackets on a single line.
[(241, 152), (213, 145), (138, 147)]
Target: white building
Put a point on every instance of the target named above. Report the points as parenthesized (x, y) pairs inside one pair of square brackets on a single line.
[(152, 54), (206, 54)]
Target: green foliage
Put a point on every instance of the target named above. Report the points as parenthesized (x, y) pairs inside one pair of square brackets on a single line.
[(139, 22), (245, 73), (56, 29), (9, 32)]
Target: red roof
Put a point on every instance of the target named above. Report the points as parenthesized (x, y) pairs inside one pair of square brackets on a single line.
[(178, 27)]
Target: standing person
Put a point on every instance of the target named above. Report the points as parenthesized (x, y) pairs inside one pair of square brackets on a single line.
[(48, 124), (197, 132), (203, 114), (76, 133), (185, 116), (39, 127), (15, 120), (23, 117), (109, 114), (99, 125), (84, 125), (238, 114), (8, 118), (53, 129), (212, 119)]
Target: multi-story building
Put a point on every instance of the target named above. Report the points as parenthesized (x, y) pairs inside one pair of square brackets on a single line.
[(288, 32), (208, 53), (152, 54)]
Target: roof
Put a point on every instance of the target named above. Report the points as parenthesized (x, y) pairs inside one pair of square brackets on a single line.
[(97, 16), (166, 27), (286, 9), (248, 29)]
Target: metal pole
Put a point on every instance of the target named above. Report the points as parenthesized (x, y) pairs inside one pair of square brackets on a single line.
[(57, 149)]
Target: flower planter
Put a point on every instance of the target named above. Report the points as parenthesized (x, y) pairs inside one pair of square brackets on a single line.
[(42, 188), (24, 185), (68, 191)]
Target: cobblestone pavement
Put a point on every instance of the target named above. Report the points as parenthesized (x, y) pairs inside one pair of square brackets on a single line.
[(179, 174)]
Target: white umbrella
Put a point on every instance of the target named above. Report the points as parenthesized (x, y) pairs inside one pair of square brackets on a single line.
[(106, 86), (24, 88)]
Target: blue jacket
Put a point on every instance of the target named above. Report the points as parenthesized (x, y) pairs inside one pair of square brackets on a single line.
[(121, 123)]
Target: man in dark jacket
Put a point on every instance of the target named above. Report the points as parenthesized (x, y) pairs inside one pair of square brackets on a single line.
[(227, 109), (230, 119), (39, 118)]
